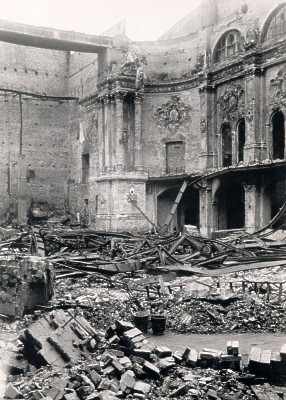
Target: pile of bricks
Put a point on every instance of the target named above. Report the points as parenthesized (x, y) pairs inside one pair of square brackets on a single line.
[(120, 363), (268, 364)]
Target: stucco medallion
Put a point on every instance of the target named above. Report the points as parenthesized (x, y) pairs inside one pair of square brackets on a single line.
[(172, 114)]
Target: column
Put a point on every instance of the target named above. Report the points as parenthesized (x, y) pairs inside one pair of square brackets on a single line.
[(119, 150), (252, 209), (206, 226), (138, 156)]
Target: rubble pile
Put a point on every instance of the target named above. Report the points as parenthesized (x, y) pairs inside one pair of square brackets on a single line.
[(67, 359), (242, 315), (102, 304)]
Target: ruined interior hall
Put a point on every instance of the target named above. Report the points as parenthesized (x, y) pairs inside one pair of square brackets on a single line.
[(124, 124)]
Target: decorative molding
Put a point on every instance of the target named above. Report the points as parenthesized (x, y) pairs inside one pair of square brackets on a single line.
[(203, 125), (250, 111), (278, 90), (172, 114), (251, 38), (231, 103)]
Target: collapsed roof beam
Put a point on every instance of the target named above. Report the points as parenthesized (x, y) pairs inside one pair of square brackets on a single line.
[(55, 39)]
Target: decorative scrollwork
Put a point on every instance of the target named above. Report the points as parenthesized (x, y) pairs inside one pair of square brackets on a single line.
[(172, 114), (278, 90), (231, 102), (251, 38)]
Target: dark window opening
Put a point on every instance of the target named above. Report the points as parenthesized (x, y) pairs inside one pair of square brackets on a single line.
[(241, 139), (278, 135), (85, 168), (226, 145)]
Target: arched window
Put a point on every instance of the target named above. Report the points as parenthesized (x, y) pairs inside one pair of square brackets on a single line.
[(227, 46), (240, 139), (226, 142), (278, 136), (275, 26)]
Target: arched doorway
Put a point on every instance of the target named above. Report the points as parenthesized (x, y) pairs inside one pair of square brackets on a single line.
[(240, 140), (226, 143), (278, 136), (230, 204), (188, 211)]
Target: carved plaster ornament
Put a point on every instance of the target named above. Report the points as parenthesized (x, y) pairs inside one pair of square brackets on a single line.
[(88, 128), (172, 114), (203, 125), (251, 38), (230, 102), (129, 64), (278, 90), (140, 77), (249, 112)]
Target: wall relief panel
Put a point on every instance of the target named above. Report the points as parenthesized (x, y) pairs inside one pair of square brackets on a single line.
[(277, 90), (231, 103), (172, 114)]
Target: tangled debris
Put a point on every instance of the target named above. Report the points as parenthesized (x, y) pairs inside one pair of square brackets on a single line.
[(71, 348)]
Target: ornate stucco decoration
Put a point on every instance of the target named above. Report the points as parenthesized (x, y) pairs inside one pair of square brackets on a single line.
[(172, 114), (203, 125), (134, 65), (249, 112), (278, 90), (231, 103), (251, 38)]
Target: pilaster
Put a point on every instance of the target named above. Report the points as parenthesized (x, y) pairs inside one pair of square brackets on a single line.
[(119, 149), (207, 101), (138, 151)]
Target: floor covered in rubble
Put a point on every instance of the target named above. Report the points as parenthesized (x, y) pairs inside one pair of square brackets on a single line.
[(94, 315)]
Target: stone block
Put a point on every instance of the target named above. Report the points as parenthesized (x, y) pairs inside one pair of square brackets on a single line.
[(142, 387), (127, 380), (151, 370), (163, 351)]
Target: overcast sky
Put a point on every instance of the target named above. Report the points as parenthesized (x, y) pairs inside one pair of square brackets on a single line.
[(145, 19)]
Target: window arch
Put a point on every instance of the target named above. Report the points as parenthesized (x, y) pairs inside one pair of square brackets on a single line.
[(275, 25), (227, 46)]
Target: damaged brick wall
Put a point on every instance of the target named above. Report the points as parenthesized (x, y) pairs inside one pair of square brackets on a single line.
[(25, 283)]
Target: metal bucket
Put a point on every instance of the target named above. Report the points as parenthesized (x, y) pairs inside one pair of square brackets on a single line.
[(141, 320), (158, 323)]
